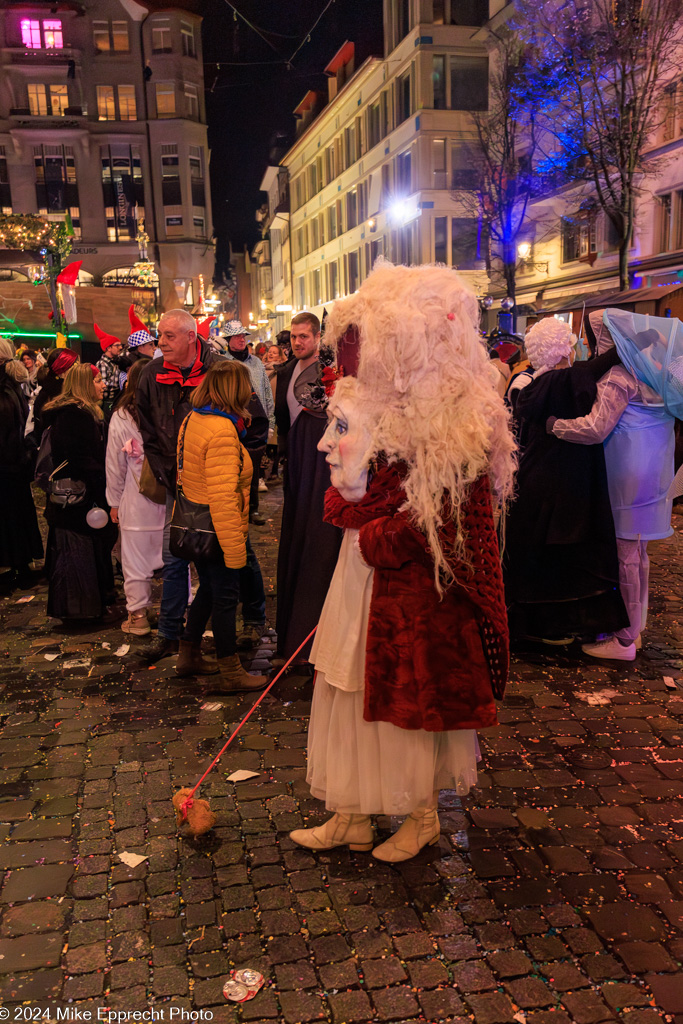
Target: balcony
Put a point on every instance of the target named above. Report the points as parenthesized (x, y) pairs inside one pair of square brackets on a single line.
[(72, 118)]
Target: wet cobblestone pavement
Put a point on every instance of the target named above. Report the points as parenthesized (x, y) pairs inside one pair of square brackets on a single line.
[(555, 893)]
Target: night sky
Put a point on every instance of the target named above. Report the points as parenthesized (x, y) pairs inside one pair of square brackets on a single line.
[(250, 104)]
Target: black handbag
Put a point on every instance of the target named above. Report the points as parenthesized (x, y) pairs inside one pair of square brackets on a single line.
[(193, 537)]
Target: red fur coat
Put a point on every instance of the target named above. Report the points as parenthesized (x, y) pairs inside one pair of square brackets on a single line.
[(430, 663)]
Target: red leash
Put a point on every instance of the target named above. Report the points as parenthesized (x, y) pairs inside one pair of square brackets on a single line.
[(187, 803)]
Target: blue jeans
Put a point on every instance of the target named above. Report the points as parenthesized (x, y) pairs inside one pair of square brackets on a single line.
[(252, 594), (176, 590), (216, 599)]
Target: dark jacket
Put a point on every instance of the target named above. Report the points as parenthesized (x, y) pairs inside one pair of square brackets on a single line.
[(282, 378), (14, 456), (162, 409), (50, 388), (77, 437)]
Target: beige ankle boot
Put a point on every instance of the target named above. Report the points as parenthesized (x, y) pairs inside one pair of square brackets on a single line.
[(421, 828), (352, 830)]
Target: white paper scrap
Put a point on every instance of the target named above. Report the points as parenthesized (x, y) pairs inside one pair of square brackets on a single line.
[(131, 860), (25, 599), (106, 645), (121, 651), (211, 707), (241, 774), (51, 657), (76, 663), (670, 683)]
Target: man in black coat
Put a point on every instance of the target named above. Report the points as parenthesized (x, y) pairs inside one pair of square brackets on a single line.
[(163, 402)]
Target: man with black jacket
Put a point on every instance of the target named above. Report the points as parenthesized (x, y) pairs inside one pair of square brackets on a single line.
[(163, 402)]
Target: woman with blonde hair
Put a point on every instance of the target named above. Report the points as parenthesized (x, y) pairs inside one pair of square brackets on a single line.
[(214, 470), (78, 563), (20, 540)]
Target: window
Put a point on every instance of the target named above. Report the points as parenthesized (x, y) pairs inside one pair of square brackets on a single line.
[(316, 280), (52, 34), (403, 173), (439, 163), (403, 107), (469, 83), (439, 81), (197, 176), (301, 292), (314, 234), (352, 272), (333, 280), (469, 12), (5, 192), (571, 239), (664, 211), (467, 172), (56, 188), (466, 242), (161, 36), (165, 96), (401, 18), (100, 34), (59, 100), (187, 39), (331, 222), (119, 34), (37, 35), (439, 12), (330, 165), (440, 239), (362, 201), (384, 126), (669, 113), (199, 226), (106, 109), (37, 99), (127, 104), (349, 146), (312, 179), (351, 209), (170, 176), (374, 133), (174, 223), (122, 189), (191, 101)]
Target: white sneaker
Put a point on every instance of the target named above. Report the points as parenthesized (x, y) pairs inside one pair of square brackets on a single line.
[(610, 648), (262, 484)]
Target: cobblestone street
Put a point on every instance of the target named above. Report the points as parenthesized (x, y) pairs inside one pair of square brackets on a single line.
[(555, 894)]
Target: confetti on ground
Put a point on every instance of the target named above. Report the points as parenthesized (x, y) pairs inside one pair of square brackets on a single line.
[(131, 860), (241, 775), (598, 698)]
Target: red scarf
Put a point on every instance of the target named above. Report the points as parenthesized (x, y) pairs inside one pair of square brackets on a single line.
[(171, 374)]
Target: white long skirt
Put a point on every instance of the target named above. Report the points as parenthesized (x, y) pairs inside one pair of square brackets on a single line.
[(360, 767)]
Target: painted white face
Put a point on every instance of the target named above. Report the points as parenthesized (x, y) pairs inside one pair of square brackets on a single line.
[(347, 442)]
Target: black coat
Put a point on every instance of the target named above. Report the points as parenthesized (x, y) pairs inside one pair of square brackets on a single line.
[(14, 409), (283, 375), (162, 409), (561, 567)]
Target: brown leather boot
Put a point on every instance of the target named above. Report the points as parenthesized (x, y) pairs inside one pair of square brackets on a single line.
[(235, 679), (191, 663)]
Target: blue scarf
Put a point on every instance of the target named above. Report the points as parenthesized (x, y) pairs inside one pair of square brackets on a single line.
[(210, 410)]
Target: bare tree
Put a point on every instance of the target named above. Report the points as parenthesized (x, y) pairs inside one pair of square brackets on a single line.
[(600, 69), (503, 152)]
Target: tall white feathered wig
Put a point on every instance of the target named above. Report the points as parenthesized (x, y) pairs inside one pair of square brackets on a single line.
[(548, 342), (424, 376)]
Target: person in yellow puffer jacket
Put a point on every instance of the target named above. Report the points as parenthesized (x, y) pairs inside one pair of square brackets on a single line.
[(216, 471)]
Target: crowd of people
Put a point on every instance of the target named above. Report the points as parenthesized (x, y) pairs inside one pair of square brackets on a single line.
[(437, 505)]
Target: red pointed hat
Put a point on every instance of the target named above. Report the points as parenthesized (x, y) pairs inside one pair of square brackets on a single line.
[(136, 323), (106, 339), (204, 327), (70, 273)]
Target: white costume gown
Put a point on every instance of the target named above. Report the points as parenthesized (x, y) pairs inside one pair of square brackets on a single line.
[(370, 767)]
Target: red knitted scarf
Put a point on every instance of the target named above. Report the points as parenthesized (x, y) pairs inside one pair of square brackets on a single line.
[(480, 575)]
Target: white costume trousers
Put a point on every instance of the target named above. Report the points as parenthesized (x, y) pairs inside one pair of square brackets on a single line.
[(140, 556), (634, 577)]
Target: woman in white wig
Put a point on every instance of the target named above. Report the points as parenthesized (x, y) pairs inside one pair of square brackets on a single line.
[(561, 568), (412, 644)]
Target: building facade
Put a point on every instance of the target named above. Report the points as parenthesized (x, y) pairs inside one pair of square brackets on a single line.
[(379, 167), (102, 118)]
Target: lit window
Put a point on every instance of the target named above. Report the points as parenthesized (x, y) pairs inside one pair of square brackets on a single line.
[(198, 224), (187, 37), (59, 100), (52, 31), (119, 33), (100, 33), (165, 93), (37, 99), (161, 37), (127, 106), (191, 101), (106, 109), (30, 34)]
